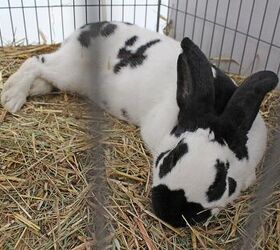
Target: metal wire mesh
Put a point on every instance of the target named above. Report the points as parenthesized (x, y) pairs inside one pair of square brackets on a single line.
[(239, 36)]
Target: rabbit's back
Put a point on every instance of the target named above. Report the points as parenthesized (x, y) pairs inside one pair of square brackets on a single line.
[(130, 69)]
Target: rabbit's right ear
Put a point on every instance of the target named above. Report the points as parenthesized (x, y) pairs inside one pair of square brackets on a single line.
[(242, 109), (195, 85)]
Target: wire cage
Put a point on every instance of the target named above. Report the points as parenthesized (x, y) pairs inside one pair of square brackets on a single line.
[(239, 36)]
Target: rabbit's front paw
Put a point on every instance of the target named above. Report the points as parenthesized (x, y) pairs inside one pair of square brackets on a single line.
[(14, 93)]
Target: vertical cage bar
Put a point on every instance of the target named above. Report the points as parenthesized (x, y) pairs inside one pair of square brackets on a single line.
[(185, 17), (235, 33), (122, 10), (86, 11), (146, 9), (246, 39), (158, 15), (272, 39), (62, 19), (24, 22), (204, 21), (259, 38), (99, 10), (37, 22), (176, 17), (1, 39), (224, 32), (50, 23), (74, 14), (134, 14), (111, 10), (194, 18), (278, 70), (12, 22), (214, 27)]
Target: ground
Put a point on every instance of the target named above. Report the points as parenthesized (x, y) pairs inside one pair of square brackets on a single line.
[(47, 200)]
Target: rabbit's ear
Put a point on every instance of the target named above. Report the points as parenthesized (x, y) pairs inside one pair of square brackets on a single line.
[(195, 88), (243, 106)]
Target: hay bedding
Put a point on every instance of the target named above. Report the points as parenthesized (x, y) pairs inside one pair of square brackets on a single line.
[(45, 160)]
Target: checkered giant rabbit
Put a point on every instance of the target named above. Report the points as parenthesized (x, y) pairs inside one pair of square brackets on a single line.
[(204, 132)]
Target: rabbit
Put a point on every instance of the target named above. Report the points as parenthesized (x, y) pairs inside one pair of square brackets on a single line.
[(205, 133)]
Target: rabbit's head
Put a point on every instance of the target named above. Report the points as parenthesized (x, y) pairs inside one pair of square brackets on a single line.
[(202, 164)]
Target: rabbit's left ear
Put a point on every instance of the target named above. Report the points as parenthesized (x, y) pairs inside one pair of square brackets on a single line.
[(195, 87)]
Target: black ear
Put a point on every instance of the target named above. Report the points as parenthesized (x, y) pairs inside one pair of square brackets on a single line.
[(224, 89), (195, 89), (243, 106)]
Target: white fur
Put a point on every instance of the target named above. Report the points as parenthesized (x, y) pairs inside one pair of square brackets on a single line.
[(148, 94)]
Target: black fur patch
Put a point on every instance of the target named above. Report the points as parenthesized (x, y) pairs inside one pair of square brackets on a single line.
[(172, 158), (217, 189), (171, 206), (160, 156), (104, 29), (132, 59), (231, 186), (131, 41), (43, 59)]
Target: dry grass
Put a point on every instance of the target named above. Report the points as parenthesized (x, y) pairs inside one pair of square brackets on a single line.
[(45, 160)]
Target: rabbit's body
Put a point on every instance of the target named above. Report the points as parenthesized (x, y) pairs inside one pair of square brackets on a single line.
[(132, 73)]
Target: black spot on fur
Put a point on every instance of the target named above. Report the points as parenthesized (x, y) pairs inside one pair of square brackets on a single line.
[(172, 158), (217, 189), (108, 29), (132, 59), (231, 185), (131, 41), (124, 113), (104, 29), (171, 206), (43, 59), (160, 156)]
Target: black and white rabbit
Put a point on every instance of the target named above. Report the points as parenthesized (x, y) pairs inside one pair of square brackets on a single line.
[(204, 132)]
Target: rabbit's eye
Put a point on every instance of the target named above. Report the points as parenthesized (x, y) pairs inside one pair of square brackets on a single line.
[(172, 158)]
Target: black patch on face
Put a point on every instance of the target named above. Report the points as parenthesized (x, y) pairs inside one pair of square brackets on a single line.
[(104, 29), (132, 59), (124, 113), (171, 206), (160, 156), (172, 158), (217, 189), (231, 186)]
